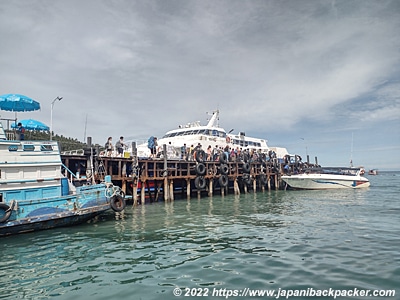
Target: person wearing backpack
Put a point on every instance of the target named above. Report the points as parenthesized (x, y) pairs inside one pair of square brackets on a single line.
[(152, 145)]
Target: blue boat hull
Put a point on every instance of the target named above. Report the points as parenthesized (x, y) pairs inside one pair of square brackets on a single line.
[(51, 221), (40, 214)]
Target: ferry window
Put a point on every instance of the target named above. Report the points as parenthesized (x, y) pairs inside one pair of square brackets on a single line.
[(203, 131), (13, 148), (29, 147), (46, 148), (215, 133), (222, 134)]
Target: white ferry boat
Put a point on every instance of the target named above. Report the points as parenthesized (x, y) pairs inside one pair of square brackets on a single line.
[(194, 133)]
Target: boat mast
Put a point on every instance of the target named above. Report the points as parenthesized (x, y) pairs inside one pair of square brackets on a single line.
[(84, 133), (214, 119), (351, 150)]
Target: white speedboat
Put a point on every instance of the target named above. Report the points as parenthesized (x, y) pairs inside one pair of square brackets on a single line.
[(327, 178), (194, 133)]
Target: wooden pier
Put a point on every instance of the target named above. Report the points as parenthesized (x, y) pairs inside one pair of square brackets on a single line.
[(163, 179)]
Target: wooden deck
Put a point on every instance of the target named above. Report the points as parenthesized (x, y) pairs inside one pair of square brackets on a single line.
[(164, 179)]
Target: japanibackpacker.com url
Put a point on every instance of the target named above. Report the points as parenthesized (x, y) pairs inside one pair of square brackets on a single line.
[(280, 293)]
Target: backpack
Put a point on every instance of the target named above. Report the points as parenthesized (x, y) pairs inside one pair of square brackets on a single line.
[(150, 142)]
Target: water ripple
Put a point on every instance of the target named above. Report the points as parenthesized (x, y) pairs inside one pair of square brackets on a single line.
[(267, 240)]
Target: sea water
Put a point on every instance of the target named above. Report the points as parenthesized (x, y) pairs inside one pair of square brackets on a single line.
[(221, 247)]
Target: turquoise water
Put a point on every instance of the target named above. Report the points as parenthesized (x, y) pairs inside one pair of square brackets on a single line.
[(343, 239)]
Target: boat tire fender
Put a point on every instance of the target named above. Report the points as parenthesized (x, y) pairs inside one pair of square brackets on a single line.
[(200, 182), (117, 203), (7, 211), (247, 179), (263, 179), (223, 180), (200, 169), (222, 158), (200, 156), (246, 167), (224, 169)]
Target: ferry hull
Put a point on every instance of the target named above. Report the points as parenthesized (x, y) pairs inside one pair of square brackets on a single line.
[(324, 182)]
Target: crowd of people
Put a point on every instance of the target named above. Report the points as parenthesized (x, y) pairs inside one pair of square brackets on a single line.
[(231, 154), (189, 153)]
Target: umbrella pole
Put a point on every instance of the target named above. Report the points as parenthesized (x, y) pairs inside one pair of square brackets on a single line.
[(15, 129)]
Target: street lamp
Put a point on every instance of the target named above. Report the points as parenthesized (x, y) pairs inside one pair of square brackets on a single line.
[(51, 117)]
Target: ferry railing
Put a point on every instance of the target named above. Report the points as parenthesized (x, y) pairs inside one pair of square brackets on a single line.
[(73, 152)]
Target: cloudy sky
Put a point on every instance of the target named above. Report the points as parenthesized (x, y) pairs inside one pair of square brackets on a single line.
[(316, 77)]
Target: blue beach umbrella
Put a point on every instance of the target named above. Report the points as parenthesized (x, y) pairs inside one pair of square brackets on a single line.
[(17, 102), (30, 124)]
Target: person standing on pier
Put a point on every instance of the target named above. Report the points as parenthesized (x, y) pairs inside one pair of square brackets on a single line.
[(183, 152), (119, 145), (109, 146), (152, 145)]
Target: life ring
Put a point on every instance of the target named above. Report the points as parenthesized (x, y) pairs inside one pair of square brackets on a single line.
[(228, 139), (200, 156), (7, 211), (222, 158), (223, 180), (109, 191), (200, 182), (200, 169), (224, 169), (246, 167), (117, 203)]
